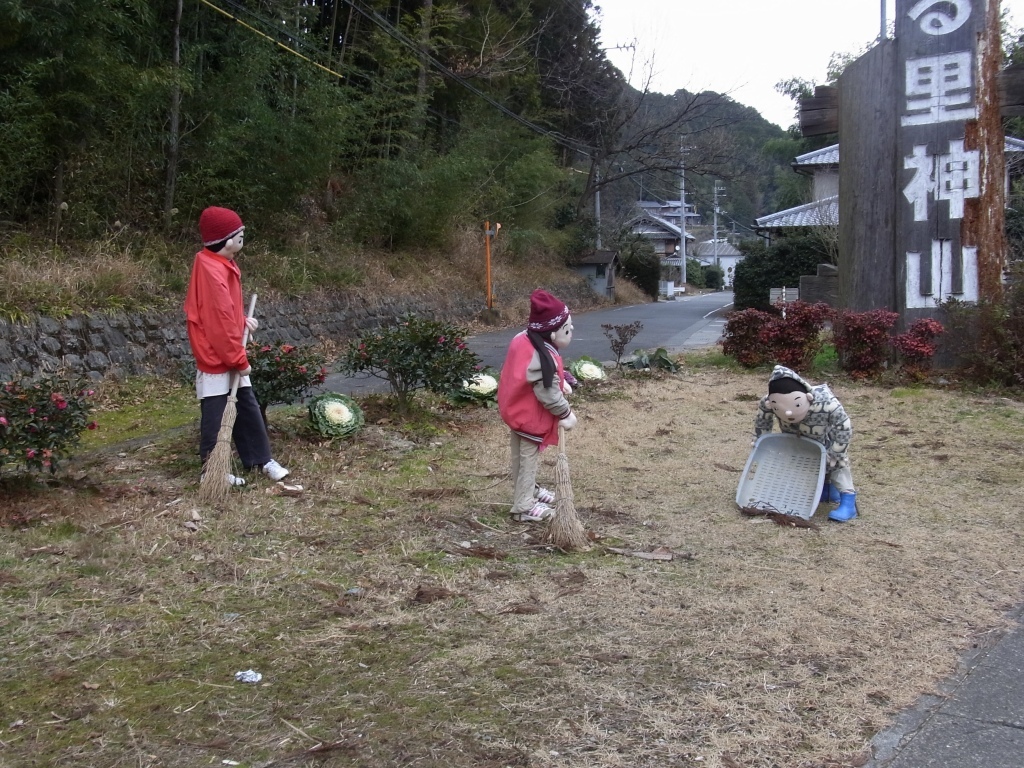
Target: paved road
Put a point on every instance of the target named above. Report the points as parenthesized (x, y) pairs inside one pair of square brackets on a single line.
[(687, 323)]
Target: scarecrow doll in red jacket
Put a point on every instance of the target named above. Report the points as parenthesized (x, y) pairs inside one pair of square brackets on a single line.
[(216, 322), (532, 400)]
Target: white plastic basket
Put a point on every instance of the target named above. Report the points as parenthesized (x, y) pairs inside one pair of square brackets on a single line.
[(784, 473)]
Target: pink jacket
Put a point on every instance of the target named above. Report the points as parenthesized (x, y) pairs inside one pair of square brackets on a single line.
[(525, 404)]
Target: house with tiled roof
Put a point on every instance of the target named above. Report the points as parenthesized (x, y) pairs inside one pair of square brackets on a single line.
[(822, 165), (721, 253)]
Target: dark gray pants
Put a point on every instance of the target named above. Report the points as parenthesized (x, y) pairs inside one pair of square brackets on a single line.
[(249, 433)]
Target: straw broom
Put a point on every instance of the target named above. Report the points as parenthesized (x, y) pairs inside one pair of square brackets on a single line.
[(213, 489), (565, 530)]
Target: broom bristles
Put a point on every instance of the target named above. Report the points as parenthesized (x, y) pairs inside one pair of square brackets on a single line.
[(565, 530), (213, 487)]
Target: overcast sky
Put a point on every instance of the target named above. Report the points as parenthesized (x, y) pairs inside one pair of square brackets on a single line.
[(740, 47)]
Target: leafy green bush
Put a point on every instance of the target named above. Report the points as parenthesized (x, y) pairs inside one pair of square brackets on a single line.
[(283, 374), (413, 354), (778, 266), (481, 389), (41, 421), (333, 414)]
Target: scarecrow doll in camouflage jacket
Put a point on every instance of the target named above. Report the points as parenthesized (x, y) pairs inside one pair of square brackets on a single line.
[(813, 412)]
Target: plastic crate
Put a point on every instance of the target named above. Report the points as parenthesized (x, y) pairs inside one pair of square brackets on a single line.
[(784, 473)]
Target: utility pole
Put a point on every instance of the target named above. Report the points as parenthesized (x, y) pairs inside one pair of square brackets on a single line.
[(597, 204), (881, 25), (682, 210), (718, 191)]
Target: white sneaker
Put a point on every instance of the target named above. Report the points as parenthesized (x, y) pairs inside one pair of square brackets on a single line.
[(275, 471)]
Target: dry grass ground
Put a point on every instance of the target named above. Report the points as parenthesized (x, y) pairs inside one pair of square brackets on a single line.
[(399, 619)]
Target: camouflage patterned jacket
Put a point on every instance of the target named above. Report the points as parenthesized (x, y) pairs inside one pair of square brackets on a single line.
[(826, 420)]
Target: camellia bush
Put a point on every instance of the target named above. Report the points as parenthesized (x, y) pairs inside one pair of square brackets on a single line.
[(284, 374), (481, 389), (413, 354), (335, 415), (42, 421)]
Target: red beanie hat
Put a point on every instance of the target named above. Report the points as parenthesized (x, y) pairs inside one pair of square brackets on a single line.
[(218, 224), (546, 312)]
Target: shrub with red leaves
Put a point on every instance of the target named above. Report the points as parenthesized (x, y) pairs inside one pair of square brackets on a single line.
[(741, 338), (862, 340), (916, 346), (756, 338)]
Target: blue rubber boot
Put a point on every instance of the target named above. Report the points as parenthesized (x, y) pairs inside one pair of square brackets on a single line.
[(847, 509), (829, 494)]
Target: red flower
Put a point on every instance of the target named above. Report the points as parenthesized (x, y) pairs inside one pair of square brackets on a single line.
[(287, 348), (92, 425)]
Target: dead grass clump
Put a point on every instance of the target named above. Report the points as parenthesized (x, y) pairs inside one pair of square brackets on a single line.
[(382, 617)]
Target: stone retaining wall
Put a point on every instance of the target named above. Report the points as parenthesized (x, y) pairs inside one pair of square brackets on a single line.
[(155, 342)]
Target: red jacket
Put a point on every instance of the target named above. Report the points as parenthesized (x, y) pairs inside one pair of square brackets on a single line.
[(525, 405), (215, 315)]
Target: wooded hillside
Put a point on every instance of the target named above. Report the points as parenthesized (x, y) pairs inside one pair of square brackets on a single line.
[(390, 125)]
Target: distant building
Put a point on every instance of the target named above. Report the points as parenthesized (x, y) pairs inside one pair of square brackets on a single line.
[(720, 252), (659, 222), (599, 269)]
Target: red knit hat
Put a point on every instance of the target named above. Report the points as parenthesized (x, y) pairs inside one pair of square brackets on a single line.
[(546, 312), (218, 224)]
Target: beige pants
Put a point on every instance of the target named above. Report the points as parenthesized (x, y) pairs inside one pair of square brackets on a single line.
[(525, 460), (842, 479)]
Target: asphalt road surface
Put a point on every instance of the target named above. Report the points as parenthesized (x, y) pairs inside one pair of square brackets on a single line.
[(687, 323)]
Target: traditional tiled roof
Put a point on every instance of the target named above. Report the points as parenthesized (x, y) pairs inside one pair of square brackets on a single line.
[(830, 155), (707, 249), (663, 224), (816, 214), (823, 156)]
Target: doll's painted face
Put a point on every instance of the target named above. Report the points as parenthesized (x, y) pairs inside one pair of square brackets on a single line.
[(791, 408), (563, 335), (234, 244)]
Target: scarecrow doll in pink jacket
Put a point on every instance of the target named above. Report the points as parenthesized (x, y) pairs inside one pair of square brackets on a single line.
[(532, 400)]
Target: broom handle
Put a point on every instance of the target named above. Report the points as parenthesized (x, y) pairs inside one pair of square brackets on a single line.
[(561, 439), (235, 378)]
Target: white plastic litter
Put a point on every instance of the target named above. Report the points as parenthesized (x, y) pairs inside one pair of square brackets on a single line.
[(784, 473), (248, 676)]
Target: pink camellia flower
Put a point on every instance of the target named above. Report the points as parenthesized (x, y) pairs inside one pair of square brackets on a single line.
[(31, 411), (92, 425), (265, 349), (3, 421), (302, 369), (62, 405), (30, 453), (287, 348), (441, 340)]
